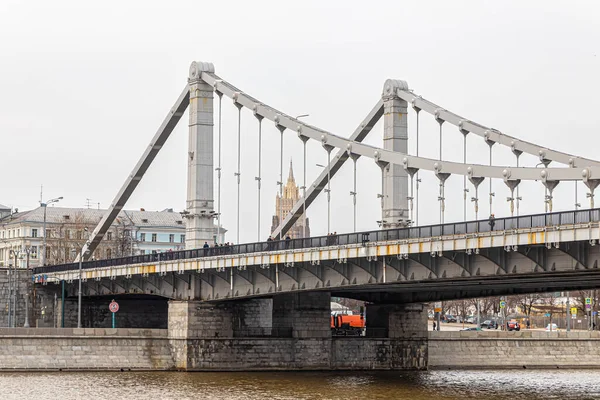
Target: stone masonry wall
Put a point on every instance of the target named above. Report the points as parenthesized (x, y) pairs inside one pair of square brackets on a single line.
[(46, 348), (529, 349), (266, 354), (23, 278), (307, 314), (142, 313)]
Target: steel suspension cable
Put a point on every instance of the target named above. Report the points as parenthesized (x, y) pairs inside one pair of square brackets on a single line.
[(238, 173), (304, 233), (465, 190), (418, 180), (219, 170), (280, 182), (259, 177)]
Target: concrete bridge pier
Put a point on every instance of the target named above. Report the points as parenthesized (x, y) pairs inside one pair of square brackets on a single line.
[(302, 315), (406, 328), (291, 331)]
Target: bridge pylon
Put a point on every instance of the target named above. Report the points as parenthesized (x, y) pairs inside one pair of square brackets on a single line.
[(200, 198), (395, 211)]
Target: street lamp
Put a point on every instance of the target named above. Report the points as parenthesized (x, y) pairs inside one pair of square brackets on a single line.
[(27, 249), (45, 205), (12, 285), (84, 250)]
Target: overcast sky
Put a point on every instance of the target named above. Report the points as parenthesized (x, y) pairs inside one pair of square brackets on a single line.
[(84, 86)]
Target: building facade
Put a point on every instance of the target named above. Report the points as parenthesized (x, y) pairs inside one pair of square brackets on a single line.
[(283, 206), (67, 229)]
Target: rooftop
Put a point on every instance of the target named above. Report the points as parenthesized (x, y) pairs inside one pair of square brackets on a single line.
[(59, 215)]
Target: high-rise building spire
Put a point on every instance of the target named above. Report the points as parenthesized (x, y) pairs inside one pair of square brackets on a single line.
[(291, 174)]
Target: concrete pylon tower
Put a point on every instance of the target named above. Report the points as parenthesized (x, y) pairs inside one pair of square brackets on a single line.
[(395, 138), (200, 198)]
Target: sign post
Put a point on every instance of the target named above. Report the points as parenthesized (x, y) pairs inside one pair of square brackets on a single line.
[(113, 307), (437, 313), (588, 308)]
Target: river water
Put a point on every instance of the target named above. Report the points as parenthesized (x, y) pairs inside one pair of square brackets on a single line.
[(438, 385)]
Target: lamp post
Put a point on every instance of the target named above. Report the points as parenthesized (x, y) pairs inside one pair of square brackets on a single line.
[(45, 205), (28, 251), (12, 288), (84, 250)]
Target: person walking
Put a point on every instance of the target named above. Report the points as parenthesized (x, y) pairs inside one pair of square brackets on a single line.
[(492, 222), (288, 240), (434, 325)]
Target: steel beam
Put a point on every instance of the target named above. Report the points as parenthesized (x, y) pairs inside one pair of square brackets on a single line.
[(159, 139)]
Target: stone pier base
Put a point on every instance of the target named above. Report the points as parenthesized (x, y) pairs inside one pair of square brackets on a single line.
[(291, 332)]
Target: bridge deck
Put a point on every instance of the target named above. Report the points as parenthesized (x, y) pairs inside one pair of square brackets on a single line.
[(539, 229)]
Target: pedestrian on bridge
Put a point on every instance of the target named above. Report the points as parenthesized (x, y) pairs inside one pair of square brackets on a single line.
[(492, 222)]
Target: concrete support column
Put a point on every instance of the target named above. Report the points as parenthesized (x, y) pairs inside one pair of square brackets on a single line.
[(306, 314), (406, 327), (200, 199), (196, 319), (395, 138)]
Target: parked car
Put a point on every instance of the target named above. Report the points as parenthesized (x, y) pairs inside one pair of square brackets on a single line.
[(489, 324), (473, 328), (554, 327), (449, 318), (513, 325), (471, 320)]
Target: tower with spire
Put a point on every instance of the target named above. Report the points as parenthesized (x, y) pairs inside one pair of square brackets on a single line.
[(283, 206)]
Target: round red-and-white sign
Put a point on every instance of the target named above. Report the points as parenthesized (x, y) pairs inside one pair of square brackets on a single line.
[(113, 306)]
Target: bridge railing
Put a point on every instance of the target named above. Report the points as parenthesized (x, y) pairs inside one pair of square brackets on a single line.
[(499, 224)]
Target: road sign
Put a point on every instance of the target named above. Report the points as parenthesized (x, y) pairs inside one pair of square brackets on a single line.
[(595, 313), (113, 306), (574, 316), (588, 306), (438, 306), (574, 310), (547, 315), (502, 304), (588, 300)]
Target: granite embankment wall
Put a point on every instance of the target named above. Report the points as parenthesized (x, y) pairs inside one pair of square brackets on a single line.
[(86, 348), (524, 349), (148, 349)]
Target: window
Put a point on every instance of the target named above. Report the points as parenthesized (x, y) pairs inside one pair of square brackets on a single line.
[(68, 234), (144, 221), (182, 239), (34, 233), (108, 235), (18, 232), (171, 238), (47, 234), (34, 251), (108, 253), (154, 237), (142, 252), (79, 235), (142, 237)]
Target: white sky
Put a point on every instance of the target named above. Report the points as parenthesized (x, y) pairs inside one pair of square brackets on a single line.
[(84, 86)]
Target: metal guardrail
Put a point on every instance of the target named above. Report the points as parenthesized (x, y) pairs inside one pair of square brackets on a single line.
[(455, 228)]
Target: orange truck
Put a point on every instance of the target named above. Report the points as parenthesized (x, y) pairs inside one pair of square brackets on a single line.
[(347, 325)]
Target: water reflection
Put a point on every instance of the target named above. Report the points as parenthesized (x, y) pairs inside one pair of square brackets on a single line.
[(510, 384)]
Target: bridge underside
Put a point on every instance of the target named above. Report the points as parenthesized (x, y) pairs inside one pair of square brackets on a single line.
[(411, 278)]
